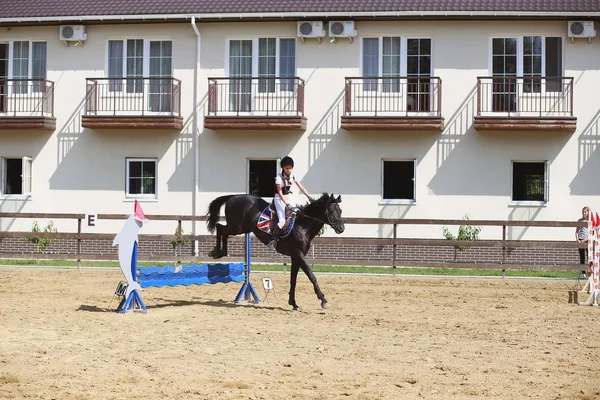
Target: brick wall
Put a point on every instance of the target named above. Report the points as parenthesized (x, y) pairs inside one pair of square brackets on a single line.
[(347, 252)]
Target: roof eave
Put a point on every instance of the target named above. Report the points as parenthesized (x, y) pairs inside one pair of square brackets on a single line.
[(303, 15)]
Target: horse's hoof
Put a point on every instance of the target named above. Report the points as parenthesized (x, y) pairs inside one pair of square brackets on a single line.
[(296, 308), (325, 305)]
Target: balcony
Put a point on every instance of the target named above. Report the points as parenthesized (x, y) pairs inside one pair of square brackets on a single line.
[(27, 104), (133, 103), (393, 104), (517, 103), (266, 103)]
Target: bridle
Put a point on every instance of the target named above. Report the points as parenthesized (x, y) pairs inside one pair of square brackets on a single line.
[(328, 222)]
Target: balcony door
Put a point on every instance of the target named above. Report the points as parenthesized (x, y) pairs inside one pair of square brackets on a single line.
[(504, 71), (3, 77), (240, 66), (160, 91)]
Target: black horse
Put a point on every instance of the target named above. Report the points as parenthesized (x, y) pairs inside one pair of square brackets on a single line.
[(242, 212)]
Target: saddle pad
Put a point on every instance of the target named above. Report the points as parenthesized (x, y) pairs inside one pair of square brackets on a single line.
[(266, 219)]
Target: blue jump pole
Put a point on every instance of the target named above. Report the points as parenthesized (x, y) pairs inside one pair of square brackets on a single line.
[(247, 291)]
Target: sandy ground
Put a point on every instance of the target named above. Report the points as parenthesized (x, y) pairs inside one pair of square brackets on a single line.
[(382, 338)]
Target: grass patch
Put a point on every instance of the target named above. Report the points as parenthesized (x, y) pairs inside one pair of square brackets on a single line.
[(531, 273)]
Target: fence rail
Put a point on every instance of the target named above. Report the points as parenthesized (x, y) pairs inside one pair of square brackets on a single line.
[(264, 96), (133, 96), (533, 96), (502, 243), (26, 97)]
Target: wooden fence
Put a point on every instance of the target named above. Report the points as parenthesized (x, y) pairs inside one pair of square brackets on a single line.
[(501, 243)]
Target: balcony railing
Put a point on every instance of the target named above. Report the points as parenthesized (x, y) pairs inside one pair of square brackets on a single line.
[(397, 96), (26, 98), (525, 96), (157, 96), (264, 96)]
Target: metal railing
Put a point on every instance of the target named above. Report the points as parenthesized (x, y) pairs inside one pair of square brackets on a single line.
[(393, 96), (533, 96), (264, 96), (133, 96), (26, 97)]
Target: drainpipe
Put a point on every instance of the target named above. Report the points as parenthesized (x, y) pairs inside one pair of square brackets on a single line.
[(195, 132)]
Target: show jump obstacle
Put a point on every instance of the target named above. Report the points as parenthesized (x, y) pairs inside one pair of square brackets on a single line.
[(592, 286), (138, 278)]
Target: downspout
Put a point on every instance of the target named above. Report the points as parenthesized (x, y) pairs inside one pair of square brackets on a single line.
[(195, 132)]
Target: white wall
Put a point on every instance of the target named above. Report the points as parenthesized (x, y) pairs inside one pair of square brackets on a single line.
[(460, 171)]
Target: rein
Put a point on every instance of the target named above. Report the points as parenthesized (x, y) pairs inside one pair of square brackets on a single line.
[(328, 222)]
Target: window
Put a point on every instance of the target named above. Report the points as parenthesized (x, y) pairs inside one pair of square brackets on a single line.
[(530, 181), (141, 177), (399, 57), (16, 176), (261, 177), (265, 58), (27, 61), (399, 180), (137, 58), (533, 57)]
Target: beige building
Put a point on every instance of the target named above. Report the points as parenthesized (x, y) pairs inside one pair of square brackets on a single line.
[(407, 112)]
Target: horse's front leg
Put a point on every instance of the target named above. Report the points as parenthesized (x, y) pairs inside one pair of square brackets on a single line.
[(293, 278), (302, 263)]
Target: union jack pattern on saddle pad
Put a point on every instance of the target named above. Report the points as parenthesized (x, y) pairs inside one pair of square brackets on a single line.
[(266, 218)]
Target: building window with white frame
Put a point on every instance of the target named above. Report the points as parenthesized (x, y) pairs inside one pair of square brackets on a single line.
[(22, 61), (399, 180), (261, 177), (407, 63), (537, 59), (530, 181), (141, 61), (16, 176), (142, 177), (271, 60)]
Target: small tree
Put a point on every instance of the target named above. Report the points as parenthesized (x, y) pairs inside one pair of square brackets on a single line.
[(42, 243), (179, 233), (465, 232)]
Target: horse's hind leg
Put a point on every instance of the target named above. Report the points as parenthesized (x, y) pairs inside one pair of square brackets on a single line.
[(216, 252)]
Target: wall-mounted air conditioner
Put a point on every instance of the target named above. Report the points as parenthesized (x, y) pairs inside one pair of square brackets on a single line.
[(582, 29), (310, 29), (342, 29), (73, 33)]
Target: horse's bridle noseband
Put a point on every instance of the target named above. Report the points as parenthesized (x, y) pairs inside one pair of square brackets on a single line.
[(328, 222)]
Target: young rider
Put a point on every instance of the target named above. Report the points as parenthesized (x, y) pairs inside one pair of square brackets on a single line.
[(283, 184)]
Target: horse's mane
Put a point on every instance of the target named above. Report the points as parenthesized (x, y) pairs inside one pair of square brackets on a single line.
[(321, 201)]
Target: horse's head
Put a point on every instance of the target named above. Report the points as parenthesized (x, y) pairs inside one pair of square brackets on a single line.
[(332, 213)]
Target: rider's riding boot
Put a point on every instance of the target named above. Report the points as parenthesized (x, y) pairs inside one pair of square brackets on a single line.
[(274, 237)]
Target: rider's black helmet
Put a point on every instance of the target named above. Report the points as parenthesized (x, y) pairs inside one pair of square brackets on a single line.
[(287, 160)]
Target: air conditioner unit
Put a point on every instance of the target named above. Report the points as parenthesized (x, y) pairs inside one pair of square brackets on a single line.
[(582, 29), (73, 33), (310, 29), (342, 29)]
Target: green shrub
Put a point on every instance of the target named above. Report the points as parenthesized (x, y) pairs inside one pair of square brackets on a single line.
[(465, 232), (42, 243), (183, 241)]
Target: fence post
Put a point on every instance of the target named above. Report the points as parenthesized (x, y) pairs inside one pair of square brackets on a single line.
[(503, 251), (394, 248), (79, 244)]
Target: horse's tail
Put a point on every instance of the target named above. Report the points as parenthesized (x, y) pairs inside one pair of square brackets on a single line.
[(214, 208)]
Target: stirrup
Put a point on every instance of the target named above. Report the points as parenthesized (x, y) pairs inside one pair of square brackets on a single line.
[(272, 244)]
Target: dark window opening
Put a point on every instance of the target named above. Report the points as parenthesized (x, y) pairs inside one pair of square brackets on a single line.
[(261, 179), (399, 180)]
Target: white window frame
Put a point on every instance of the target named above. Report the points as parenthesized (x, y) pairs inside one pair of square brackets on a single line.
[(546, 184), (275, 160), (384, 201), (365, 94), (278, 94), (145, 70), (128, 194), (520, 48), (26, 178)]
